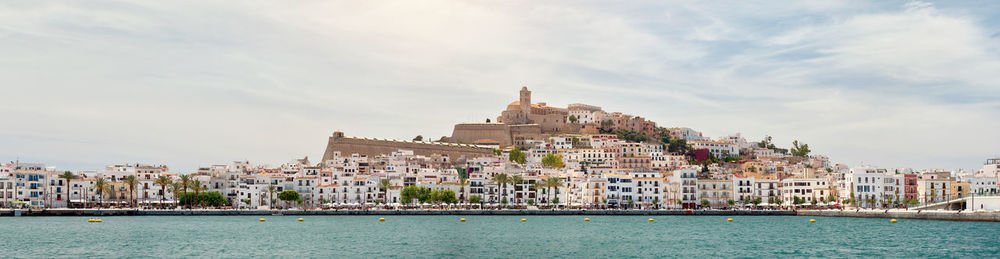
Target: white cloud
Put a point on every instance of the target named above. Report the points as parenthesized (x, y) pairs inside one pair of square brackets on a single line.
[(204, 82)]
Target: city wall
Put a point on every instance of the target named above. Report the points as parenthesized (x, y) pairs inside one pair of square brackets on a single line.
[(471, 132), (374, 147)]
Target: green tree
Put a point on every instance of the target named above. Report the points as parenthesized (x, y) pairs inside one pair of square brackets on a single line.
[(213, 199), (176, 189), (418, 138), (501, 181), (101, 185), (163, 181), (517, 156), (731, 202), (132, 182), (553, 161), (678, 146), (475, 199), (766, 143), (435, 196), (68, 176), (631, 136), (448, 196), (424, 195), (408, 194), (705, 203), (289, 195), (462, 184), (185, 180), (385, 185), (756, 201), (196, 186), (800, 150), (572, 119), (553, 183), (271, 189)]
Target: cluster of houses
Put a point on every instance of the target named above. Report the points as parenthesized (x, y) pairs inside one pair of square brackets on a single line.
[(593, 171)]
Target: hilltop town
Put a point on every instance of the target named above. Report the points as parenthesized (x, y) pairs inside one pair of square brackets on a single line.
[(531, 156)]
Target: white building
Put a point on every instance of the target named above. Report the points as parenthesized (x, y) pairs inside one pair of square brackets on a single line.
[(767, 190), (982, 185), (805, 189), (719, 149), (584, 114), (684, 186), (867, 184), (744, 189)]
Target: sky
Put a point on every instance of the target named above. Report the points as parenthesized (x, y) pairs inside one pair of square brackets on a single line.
[(86, 84)]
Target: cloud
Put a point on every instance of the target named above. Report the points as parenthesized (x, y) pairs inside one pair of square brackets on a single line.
[(196, 83)]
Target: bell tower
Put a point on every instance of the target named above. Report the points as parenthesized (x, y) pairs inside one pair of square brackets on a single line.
[(525, 100)]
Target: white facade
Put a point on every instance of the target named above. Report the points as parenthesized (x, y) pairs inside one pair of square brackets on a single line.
[(717, 148)]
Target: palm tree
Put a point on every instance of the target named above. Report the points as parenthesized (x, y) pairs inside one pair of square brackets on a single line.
[(462, 182), (132, 182), (516, 180), (270, 195), (196, 187), (163, 181), (384, 185), (538, 185), (552, 182), (185, 181), (69, 176), (500, 179), (101, 185), (176, 188)]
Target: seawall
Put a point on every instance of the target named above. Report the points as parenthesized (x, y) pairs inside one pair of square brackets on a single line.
[(117, 212), (993, 216), (989, 216)]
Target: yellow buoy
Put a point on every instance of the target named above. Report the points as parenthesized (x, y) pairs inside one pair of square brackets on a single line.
[(812, 221), (586, 219), (301, 219), (461, 219), (262, 219), (91, 220), (892, 221), (381, 219), (523, 220), (729, 219), (650, 220), (98, 220)]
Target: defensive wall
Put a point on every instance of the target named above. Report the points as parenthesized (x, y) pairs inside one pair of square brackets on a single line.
[(473, 132), (374, 147)]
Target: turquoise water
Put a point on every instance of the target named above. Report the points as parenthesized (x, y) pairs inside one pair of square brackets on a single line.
[(493, 236)]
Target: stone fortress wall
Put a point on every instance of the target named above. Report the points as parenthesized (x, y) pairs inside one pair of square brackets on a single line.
[(477, 133), (373, 147)]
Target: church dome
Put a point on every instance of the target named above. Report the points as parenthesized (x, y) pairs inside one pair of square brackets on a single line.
[(514, 106)]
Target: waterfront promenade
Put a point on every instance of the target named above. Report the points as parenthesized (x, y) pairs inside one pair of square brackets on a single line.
[(987, 216), (217, 212)]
